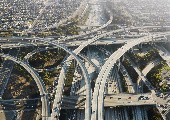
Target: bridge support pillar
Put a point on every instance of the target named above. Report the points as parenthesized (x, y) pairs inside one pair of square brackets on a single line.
[(140, 87), (118, 64), (131, 50), (140, 46), (74, 64), (123, 58)]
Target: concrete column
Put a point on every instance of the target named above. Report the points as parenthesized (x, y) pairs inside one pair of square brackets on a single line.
[(141, 86), (118, 64), (141, 45), (131, 50), (123, 58)]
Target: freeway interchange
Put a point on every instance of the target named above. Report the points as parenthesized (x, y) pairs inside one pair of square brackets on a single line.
[(95, 99)]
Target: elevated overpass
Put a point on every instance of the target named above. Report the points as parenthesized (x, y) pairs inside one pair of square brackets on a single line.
[(62, 71), (111, 41), (110, 100), (30, 41), (101, 80), (96, 38), (85, 73), (57, 100), (39, 82)]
